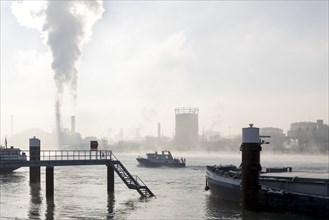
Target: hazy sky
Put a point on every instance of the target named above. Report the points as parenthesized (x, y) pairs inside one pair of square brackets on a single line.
[(239, 62)]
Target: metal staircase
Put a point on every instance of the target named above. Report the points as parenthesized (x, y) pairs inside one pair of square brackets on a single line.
[(132, 182)]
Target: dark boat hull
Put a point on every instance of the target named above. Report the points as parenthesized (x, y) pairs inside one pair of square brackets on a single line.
[(294, 202), (4, 168), (8, 169), (225, 191), (228, 189), (148, 163)]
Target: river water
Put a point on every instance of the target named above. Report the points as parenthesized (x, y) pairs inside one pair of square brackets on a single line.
[(81, 191)]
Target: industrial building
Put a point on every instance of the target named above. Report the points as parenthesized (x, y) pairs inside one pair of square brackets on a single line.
[(309, 135), (277, 139)]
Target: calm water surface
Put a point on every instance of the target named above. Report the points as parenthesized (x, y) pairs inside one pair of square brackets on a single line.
[(81, 193)]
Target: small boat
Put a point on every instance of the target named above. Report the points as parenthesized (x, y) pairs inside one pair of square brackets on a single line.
[(10, 155), (161, 159)]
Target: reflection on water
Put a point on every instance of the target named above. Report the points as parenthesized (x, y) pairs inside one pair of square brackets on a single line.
[(282, 215), (36, 200), (11, 178), (217, 207), (231, 210), (50, 208), (110, 205)]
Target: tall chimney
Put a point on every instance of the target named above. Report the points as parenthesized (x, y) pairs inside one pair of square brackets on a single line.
[(73, 124), (159, 131)]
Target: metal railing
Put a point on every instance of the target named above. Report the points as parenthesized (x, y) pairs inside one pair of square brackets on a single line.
[(139, 180), (50, 155)]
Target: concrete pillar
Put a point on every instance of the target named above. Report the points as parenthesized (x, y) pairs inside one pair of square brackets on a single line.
[(250, 168), (49, 181), (110, 179), (34, 156)]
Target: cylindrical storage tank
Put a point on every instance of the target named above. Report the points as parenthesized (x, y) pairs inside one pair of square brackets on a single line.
[(186, 128), (250, 168), (34, 156)]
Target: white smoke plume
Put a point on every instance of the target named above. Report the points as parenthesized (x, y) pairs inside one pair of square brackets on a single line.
[(65, 26), (68, 26)]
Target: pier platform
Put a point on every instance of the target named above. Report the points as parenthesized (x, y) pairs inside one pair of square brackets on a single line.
[(53, 158), (63, 158)]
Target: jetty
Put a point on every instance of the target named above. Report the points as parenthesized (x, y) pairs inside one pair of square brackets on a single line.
[(49, 159)]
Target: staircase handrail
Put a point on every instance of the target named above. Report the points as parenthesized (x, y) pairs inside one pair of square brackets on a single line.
[(133, 181), (113, 156), (139, 180)]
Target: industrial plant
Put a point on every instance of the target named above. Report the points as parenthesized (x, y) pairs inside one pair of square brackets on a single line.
[(302, 137)]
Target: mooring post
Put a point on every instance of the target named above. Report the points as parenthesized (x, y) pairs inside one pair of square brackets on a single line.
[(110, 179), (49, 181), (250, 186), (34, 155)]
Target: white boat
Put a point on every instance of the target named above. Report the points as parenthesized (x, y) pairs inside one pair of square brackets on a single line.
[(10, 155)]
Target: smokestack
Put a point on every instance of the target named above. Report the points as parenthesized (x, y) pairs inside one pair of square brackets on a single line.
[(59, 129), (73, 124), (159, 130), (58, 122), (12, 125)]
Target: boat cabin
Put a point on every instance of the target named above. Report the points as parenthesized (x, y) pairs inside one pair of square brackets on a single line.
[(11, 154), (163, 156)]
